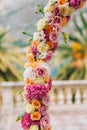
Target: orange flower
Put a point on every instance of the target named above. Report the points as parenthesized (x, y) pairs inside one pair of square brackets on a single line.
[(62, 2), (47, 79), (29, 49), (35, 43), (33, 64), (64, 21), (82, 4), (28, 82), (49, 28), (35, 116), (50, 43), (36, 104), (30, 57)]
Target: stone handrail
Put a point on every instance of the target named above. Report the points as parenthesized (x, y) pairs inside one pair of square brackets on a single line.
[(63, 93)]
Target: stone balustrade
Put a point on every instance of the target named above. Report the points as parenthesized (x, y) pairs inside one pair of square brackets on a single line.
[(64, 95)]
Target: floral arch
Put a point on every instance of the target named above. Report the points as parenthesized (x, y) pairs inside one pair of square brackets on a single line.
[(37, 78)]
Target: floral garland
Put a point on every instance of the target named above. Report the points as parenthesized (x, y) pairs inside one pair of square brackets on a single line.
[(40, 52)]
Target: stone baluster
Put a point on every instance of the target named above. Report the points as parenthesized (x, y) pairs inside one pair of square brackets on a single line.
[(61, 97), (68, 95), (19, 102), (78, 96), (85, 96), (7, 100), (52, 96)]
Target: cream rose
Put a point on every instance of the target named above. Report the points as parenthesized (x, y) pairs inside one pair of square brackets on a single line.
[(64, 9), (42, 55), (38, 81), (43, 48), (29, 108), (34, 127), (71, 10), (41, 24)]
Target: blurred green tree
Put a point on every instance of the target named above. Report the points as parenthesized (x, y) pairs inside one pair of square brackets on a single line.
[(73, 56), (11, 59)]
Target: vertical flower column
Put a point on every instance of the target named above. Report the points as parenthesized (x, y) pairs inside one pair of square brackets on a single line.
[(40, 52)]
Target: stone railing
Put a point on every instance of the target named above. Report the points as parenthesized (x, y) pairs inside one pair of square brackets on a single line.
[(64, 94)]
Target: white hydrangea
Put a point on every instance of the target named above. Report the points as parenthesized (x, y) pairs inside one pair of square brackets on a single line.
[(48, 8), (39, 36), (28, 73), (52, 1), (47, 15), (42, 55), (41, 24)]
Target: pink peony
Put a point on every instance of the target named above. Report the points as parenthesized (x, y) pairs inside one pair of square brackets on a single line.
[(53, 37), (75, 3), (44, 122), (26, 122), (46, 100), (37, 91), (49, 56), (43, 110), (41, 71)]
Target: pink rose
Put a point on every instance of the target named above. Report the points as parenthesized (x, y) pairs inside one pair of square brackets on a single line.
[(34, 51), (50, 19), (49, 56), (56, 20), (56, 10), (46, 36), (44, 122), (53, 37), (55, 47), (46, 100), (41, 71), (57, 28), (43, 110)]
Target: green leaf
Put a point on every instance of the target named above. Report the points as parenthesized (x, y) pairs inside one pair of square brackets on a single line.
[(77, 26), (83, 20), (75, 39), (24, 33), (39, 10), (65, 37), (20, 117), (30, 41)]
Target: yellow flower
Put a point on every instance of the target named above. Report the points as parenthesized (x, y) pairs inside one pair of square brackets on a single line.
[(48, 8), (38, 81), (43, 48), (41, 24), (34, 127), (76, 46), (29, 108)]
